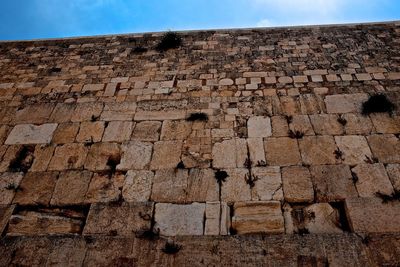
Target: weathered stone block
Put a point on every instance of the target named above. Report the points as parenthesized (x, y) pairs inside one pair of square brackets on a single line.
[(349, 103), (167, 154), (256, 151), (372, 178), (104, 187), (160, 115), (118, 131), (42, 157), (36, 188), (355, 149), (5, 215), (235, 187), (65, 133), (385, 147), (357, 124), (297, 184), (268, 185), (332, 182), (174, 219), (102, 156), (35, 114), (136, 155), (386, 124), (321, 218), (71, 188), (175, 130), (147, 131), (31, 134), (317, 150), (9, 184), (393, 171), (258, 217), (87, 112), (137, 186), (259, 126), (90, 131), (122, 220), (326, 124), (282, 151), (302, 124), (68, 156)]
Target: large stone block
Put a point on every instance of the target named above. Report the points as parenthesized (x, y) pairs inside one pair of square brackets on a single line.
[(372, 178), (31, 134), (5, 215), (347, 103), (102, 157), (235, 187), (147, 131), (104, 187), (385, 147), (68, 156), (297, 184), (259, 126), (316, 150), (268, 184), (175, 130), (355, 149), (167, 154), (326, 124), (282, 151), (118, 131), (136, 155), (393, 171), (229, 153), (90, 131), (258, 217), (137, 186)]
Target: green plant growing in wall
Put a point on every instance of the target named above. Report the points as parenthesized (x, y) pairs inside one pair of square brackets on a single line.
[(169, 40)]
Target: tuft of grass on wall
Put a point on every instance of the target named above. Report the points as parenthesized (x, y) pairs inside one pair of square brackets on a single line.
[(170, 40), (378, 103)]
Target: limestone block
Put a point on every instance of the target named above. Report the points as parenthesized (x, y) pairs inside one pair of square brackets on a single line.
[(4, 131), (137, 186), (170, 185), (175, 130), (213, 214), (42, 157), (87, 111), (393, 171), (62, 113), (285, 79), (71, 188), (332, 182), (121, 220), (167, 154), (160, 115), (282, 151), (386, 124), (235, 187), (347, 103), (118, 131), (100, 154), (93, 87), (65, 133), (279, 126), (223, 82), (147, 131), (259, 126), (9, 184), (297, 184), (173, 220), (136, 155), (90, 131), (31, 134), (68, 156), (357, 124), (202, 186), (35, 114), (222, 133), (372, 178), (385, 147), (268, 185), (300, 79), (104, 187), (5, 215), (302, 124), (229, 153), (317, 150), (326, 124), (29, 223), (322, 219), (258, 217), (36, 188), (354, 147), (118, 111), (256, 150), (370, 215)]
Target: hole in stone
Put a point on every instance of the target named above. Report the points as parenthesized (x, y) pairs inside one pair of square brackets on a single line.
[(171, 247), (23, 159), (343, 221), (295, 134), (112, 162), (377, 104)]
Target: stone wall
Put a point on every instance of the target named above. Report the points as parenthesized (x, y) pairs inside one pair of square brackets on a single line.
[(241, 147)]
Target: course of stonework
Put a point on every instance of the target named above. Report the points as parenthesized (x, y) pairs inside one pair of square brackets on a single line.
[(240, 147)]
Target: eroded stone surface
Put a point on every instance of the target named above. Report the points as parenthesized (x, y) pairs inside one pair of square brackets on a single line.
[(346, 103), (372, 178), (355, 149), (137, 186), (104, 187), (147, 131), (118, 131), (385, 147), (283, 151), (68, 156), (393, 171), (166, 155), (235, 187), (268, 184), (230, 153), (297, 184), (318, 150), (90, 131), (5, 214), (31, 134), (9, 185), (103, 156), (36, 188), (175, 130), (136, 155), (259, 127)]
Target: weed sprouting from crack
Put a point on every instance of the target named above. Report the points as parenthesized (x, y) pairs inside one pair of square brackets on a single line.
[(289, 119), (221, 176), (171, 247), (13, 187), (371, 160), (295, 134), (395, 196), (180, 165), (251, 179), (23, 160), (342, 120), (378, 103), (199, 116), (170, 40), (338, 154), (261, 163), (139, 50), (148, 234), (354, 177)]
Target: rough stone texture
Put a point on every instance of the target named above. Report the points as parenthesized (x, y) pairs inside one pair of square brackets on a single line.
[(174, 219), (229, 154), (175, 130), (166, 155), (326, 124), (31, 134), (297, 184), (258, 217), (259, 127), (357, 124), (104, 188), (42, 157), (355, 149), (282, 151), (9, 184), (386, 124), (332, 182), (345, 103), (321, 218), (90, 132), (147, 131), (5, 215), (65, 133), (372, 178), (235, 187), (135, 155), (318, 150), (370, 215), (68, 156), (385, 147), (268, 185), (137, 186), (118, 131), (123, 220), (393, 170), (99, 156)]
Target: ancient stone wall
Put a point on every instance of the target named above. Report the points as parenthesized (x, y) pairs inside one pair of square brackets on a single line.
[(240, 147)]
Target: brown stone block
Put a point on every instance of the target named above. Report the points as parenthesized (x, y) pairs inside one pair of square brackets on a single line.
[(136, 155), (386, 124), (90, 132), (175, 130), (36, 114), (65, 133), (42, 157), (118, 131), (235, 187), (372, 178), (104, 187), (393, 171), (282, 151), (68, 156), (62, 113), (357, 124), (147, 131), (316, 150), (385, 147), (297, 184), (138, 186), (87, 112), (354, 148), (5, 215), (103, 157), (326, 124), (167, 154), (9, 185)]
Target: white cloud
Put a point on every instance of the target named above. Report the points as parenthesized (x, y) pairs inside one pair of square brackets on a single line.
[(265, 23)]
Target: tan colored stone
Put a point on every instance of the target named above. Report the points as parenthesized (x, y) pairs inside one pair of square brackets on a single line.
[(118, 131), (235, 187), (147, 131), (118, 111), (68, 156), (268, 185), (297, 184), (302, 124), (285, 79), (99, 156), (174, 219), (65, 133), (213, 220), (256, 151), (104, 187), (258, 217), (87, 111), (317, 150), (9, 184), (42, 156), (300, 79), (223, 82), (31, 134), (4, 131), (370, 215), (93, 87), (326, 124), (282, 151), (372, 178), (62, 113), (5, 215), (36, 188), (90, 131), (393, 171), (167, 154), (357, 124), (259, 126), (348, 103), (386, 124), (332, 182), (355, 149), (160, 115), (175, 130), (322, 219), (37, 223), (279, 126), (71, 188), (137, 186), (385, 147), (363, 77), (136, 155), (35, 114), (121, 220)]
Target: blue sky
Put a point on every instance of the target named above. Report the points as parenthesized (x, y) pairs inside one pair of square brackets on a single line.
[(31, 19)]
